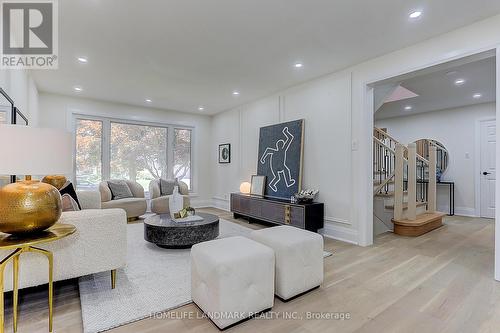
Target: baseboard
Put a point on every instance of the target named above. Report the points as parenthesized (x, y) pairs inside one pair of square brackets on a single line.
[(460, 211), (201, 203), (341, 233), (221, 203)]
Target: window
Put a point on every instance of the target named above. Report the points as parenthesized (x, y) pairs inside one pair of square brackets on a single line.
[(182, 155), (138, 152), (89, 153), (116, 149)]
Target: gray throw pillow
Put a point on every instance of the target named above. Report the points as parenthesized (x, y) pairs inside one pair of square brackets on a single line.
[(167, 186), (119, 189)]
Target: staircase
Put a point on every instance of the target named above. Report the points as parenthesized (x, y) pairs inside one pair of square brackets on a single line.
[(404, 187)]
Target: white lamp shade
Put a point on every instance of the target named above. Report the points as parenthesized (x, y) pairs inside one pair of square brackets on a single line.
[(35, 151), (245, 187)]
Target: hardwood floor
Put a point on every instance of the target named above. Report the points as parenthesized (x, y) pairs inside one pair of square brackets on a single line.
[(439, 282)]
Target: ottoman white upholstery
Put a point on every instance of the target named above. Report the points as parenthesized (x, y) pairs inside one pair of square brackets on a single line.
[(299, 258), (232, 279)]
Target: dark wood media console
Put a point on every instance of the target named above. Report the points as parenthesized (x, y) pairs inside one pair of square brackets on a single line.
[(305, 216)]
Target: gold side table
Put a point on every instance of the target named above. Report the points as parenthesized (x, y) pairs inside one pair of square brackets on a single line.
[(25, 243)]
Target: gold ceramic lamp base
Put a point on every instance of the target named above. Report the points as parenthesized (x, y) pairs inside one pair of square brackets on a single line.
[(28, 206), (57, 181)]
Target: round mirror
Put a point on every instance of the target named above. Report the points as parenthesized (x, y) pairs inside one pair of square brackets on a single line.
[(442, 155)]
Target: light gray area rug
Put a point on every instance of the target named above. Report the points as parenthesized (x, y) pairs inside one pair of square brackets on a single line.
[(154, 280)]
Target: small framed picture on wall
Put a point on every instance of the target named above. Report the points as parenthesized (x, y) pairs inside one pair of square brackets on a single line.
[(225, 153)]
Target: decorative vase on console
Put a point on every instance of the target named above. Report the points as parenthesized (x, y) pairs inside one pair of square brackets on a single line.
[(176, 202)]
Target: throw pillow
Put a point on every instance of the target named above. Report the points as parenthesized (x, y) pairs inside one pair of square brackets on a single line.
[(119, 189), (69, 204), (69, 189), (167, 186)]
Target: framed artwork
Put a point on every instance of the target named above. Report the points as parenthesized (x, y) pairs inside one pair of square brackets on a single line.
[(280, 158), (225, 153), (258, 185)]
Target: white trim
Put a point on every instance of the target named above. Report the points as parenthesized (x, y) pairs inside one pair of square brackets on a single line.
[(221, 203), (367, 118), (459, 211), (477, 164), (337, 220), (340, 233), (497, 185)]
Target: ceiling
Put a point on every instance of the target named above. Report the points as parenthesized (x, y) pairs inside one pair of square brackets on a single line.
[(183, 54), (437, 90)]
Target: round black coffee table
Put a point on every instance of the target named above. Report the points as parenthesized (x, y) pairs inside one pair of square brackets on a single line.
[(162, 231)]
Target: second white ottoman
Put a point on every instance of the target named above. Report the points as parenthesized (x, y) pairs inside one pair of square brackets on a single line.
[(232, 279), (299, 258)]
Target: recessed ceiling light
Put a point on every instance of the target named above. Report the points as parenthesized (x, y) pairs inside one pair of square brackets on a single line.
[(77, 88), (451, 73), (82, 60), (408, 107), (477, 96), (236, 93), (459, 82), (148, 100), (298, 65), (415, 14), (201, 108)]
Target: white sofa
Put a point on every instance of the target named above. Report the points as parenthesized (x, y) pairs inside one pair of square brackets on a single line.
[(98, 245), (159, 203), (134, 207)]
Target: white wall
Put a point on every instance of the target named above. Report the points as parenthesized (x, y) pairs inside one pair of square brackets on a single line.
[(340, 107), (57, 111), (326, 151), (19, 85), (456, 130)]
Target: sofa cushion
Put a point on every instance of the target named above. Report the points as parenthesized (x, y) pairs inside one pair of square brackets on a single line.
[(119, 189), (167, 186), (69, 204), (69, 189), (134, 207)]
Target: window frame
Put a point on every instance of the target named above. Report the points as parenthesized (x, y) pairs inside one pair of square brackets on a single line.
[(106, 143), (191, 181)]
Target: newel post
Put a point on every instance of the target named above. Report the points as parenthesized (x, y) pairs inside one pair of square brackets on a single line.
[(431, 204), (398, 183), (412, 181)]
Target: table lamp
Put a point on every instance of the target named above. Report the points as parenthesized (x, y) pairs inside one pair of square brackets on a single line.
[(245, 187), (30, 206)]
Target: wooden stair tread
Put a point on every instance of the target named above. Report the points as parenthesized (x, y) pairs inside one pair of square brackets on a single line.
[(421, 219), (405, 205)]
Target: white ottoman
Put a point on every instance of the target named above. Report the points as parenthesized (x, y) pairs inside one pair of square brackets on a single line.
[(232, 279), (299, 258)]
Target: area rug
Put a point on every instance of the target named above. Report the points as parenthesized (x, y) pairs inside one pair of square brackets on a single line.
[(154, 280)]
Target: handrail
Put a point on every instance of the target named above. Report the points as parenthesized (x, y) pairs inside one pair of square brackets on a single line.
[(404, 147), (381, 143), (437, 144), (385, 134), (420, 158), (392, 150), (385, 182)]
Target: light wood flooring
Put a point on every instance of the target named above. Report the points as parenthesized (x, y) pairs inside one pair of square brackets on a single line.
[(438, 282)]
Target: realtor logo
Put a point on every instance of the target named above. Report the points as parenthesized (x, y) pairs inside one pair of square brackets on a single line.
[(29, 34)]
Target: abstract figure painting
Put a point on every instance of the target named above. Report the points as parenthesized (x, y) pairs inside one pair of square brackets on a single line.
[(280, 158)]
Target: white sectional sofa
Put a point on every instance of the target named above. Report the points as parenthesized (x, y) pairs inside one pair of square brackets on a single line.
[(98, 245)]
